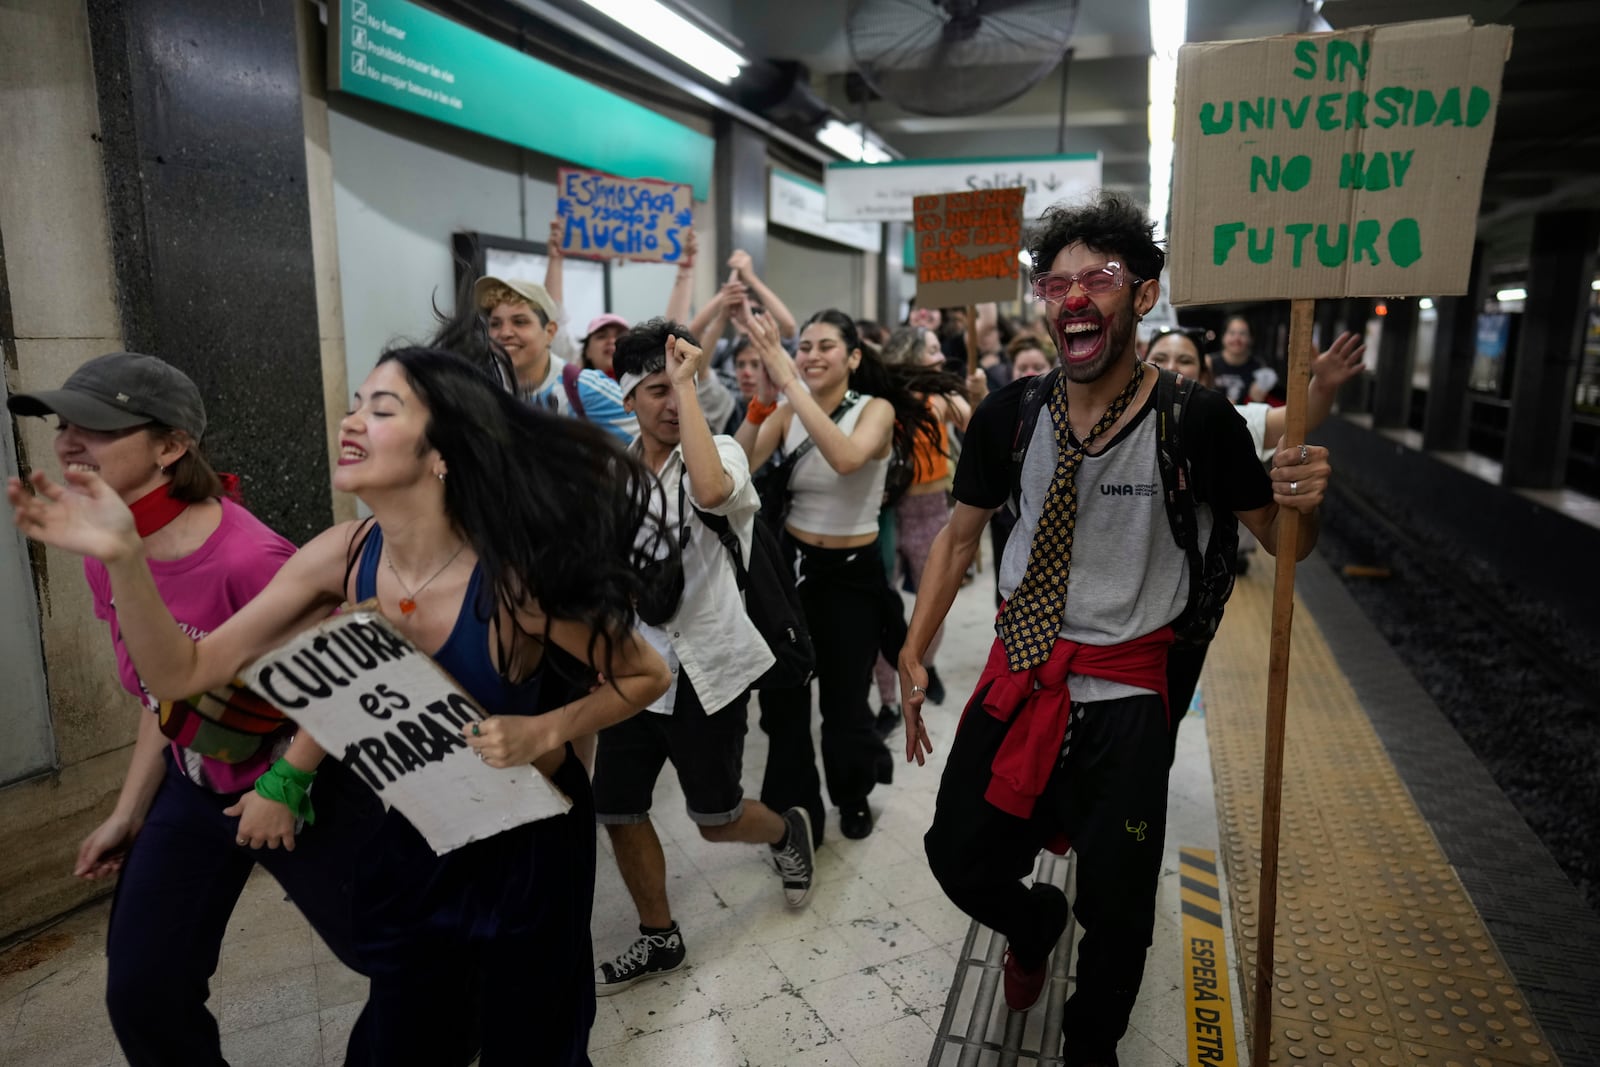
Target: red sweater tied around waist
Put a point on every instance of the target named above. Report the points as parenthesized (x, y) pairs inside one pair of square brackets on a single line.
[(1037, 704)]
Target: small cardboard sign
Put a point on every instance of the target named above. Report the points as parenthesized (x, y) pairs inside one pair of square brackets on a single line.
[(1334, 164), (605, 217), (967, 246), (368, 696)]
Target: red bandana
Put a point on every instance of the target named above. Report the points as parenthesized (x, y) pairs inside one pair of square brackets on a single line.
[(158, 507)]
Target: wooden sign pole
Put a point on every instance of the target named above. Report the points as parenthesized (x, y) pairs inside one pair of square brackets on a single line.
[(1300, 318), (972, 338)]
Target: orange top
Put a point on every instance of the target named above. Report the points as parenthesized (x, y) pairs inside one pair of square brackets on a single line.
[(930, 464)]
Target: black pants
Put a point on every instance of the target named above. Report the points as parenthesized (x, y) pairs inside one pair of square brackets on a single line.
[(791, 779), (1108, 794), (177, 892), (842, 593)]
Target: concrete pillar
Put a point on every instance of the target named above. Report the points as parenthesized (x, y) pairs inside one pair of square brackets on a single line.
[(1447, 418), (1561, 265), (1391, 394), (891, 273), (741, 200), (205, 172)]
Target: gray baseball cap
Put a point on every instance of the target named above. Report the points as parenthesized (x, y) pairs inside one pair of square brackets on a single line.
[(119, 391)]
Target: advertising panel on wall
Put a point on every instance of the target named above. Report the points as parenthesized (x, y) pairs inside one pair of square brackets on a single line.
[(883, 192)]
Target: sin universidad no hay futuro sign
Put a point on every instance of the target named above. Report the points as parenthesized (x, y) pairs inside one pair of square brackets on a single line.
[(1332, 165)]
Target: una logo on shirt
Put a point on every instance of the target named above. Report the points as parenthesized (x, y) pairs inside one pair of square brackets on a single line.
[(1143, 489)]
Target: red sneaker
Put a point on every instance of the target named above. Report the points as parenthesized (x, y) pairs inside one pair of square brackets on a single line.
[(1023, 986)]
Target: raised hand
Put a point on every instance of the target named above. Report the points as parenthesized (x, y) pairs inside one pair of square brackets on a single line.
[(774, 357), (741, 262), (84, 516), (1342, 361), (683, 361), (553, 249)]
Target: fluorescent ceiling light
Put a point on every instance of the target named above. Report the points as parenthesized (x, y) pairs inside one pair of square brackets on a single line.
[(1507, 296), (1169, 25), (852, 142), (656, 22), (1426, 304)]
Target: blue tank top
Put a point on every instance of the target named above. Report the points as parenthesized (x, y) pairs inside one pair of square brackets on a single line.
[(465, 653)]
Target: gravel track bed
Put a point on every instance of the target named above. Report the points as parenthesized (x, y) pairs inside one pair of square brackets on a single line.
[(1538, 734)]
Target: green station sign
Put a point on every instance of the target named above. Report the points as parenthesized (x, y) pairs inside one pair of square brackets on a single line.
[(398, 54)]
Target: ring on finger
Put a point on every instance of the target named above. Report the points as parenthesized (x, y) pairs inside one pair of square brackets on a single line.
[(1294, 487), (1305, 453), (918, 689)]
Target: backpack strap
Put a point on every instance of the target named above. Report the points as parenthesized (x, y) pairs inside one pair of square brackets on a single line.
[(719, 525), (569, 382), (1173, 393), (851, 399), (1034, 398)]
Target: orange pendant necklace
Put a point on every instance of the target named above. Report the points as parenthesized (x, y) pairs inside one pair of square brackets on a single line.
[(408, 603)]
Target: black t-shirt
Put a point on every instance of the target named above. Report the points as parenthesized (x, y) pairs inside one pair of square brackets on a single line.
[(1232, 381), (1222, 455)]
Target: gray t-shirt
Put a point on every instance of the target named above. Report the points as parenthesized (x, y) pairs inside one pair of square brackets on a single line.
[(1128, 575)]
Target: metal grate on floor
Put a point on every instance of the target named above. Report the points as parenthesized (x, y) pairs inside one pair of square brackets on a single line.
[(977, 1027)]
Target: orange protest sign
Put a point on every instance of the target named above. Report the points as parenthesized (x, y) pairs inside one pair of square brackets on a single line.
[(967, 246)]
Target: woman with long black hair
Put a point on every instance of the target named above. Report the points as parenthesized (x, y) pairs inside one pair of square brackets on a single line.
[(846, 415), (498, 532)]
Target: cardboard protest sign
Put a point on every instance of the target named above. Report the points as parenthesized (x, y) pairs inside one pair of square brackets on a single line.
[(967, 246), (604, 217), (390, 714), (1335, 164)]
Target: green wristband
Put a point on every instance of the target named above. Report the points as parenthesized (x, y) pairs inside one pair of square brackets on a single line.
[(289, 786)]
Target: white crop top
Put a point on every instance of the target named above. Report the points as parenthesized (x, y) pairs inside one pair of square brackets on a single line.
[(826, 502)]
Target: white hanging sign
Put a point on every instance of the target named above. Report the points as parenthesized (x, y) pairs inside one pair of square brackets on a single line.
[(883, 192), (802, 205)]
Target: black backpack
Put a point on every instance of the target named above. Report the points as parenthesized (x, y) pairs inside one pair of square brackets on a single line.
[(771, 601), (1211, 574)]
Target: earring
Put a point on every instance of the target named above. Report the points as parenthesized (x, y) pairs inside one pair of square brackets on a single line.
[(441, 476)]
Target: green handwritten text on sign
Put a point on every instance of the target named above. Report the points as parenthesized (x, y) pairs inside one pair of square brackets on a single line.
[(398, 54), (1332, 165)]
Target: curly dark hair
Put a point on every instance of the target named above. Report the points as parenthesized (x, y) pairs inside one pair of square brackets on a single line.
[(552, 505), (645, 343), (1113, 223)]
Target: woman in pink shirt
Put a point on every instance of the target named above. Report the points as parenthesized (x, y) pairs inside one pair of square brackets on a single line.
[(189, 819)]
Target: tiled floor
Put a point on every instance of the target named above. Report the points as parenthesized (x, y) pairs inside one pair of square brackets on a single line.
[(859, 977)]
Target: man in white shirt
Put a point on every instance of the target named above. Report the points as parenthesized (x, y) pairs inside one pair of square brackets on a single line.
[(715, 653)]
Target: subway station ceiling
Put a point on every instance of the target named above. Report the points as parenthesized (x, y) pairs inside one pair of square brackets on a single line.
[(1105, 76)]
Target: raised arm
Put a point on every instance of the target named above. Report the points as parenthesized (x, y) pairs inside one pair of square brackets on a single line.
[(709, 482), (845, 453), (682, 295), (1329, 371), (741, 262), (555, 262), (87, 518)]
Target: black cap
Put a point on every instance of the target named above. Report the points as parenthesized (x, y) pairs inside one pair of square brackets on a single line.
[(120, 391)]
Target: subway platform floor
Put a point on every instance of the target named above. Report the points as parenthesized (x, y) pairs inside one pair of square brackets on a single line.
[(861, 976)]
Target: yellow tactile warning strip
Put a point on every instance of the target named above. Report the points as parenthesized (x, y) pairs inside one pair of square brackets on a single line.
[(1380, 957), (1208, 1014)]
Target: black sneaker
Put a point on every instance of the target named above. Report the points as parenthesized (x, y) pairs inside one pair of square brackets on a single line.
[(855, 823), (935, 692), (889, 719), (795, 861), (650, 956)]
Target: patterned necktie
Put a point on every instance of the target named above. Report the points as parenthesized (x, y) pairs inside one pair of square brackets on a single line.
[(1032, 619)]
